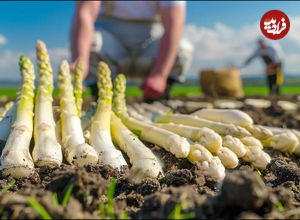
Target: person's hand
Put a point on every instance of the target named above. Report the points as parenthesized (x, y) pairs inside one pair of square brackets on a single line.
[(72, 66), (154, 86)]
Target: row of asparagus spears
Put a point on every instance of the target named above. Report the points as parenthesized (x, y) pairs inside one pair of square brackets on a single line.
[(214, 139)]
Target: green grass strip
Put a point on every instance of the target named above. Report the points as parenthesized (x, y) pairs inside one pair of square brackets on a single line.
[(124, 215), (55, 200), (280, 206), (258, 171), (39, 208), (110, 196), (189, 215), (67, 195), (175, 214), (8, 186), (102, 211)]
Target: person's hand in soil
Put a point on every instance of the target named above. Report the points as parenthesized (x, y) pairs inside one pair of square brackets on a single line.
[(154, 86)]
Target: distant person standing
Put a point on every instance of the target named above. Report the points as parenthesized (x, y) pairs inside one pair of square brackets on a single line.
[(272, 57)]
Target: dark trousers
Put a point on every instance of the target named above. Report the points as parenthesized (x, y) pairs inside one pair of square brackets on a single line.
[(272, 83), (94, 91)]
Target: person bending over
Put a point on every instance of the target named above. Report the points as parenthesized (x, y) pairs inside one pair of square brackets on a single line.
[(137, 38), (271, 55)]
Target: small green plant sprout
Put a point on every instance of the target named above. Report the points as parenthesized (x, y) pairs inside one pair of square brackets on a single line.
[(102, 211), (86, 195), (160, 180), (8, 186), (67, 195), (170, 112), (110, 196), (280, 206), (124, 215), (55, 200), (65, 198), (1, 211), (38, 208), (108, 212), (258, 171), (176, 213)]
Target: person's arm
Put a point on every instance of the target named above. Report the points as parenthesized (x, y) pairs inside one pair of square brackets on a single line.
[(173, 19), (255, 54), (82, 32)]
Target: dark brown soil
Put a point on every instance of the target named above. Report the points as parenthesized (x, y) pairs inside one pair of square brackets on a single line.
[(245, 193)]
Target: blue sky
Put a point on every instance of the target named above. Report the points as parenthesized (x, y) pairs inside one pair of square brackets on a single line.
[(22, 23)]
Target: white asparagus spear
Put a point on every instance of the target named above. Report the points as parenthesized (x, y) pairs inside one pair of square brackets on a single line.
[(236, 117), (259, 132), (6, 123), (100, 137), (235, 145), (228, 116), (285, 141), (204, 136), (47, 150), (255, 154), (134, 114), (6, 109), (220, 128), (208, 164), (170, 141), (227, 157), (15, 158), (144, 163), (76, 151)]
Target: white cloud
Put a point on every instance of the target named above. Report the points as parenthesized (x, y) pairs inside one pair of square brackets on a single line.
[(7, 59), (2, 39), (9, 68), (219, 41), (294, 32)]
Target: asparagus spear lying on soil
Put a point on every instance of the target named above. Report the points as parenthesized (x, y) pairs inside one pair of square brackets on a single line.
[(254, 153), (144, 163), (286, 141), (204, 136), (227, 157), (208, 164), (220, 128), (235, 145), (236, 117), (231, 116), (170, 141)]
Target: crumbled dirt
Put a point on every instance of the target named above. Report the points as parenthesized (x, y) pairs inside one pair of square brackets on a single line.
[(245, 193)]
